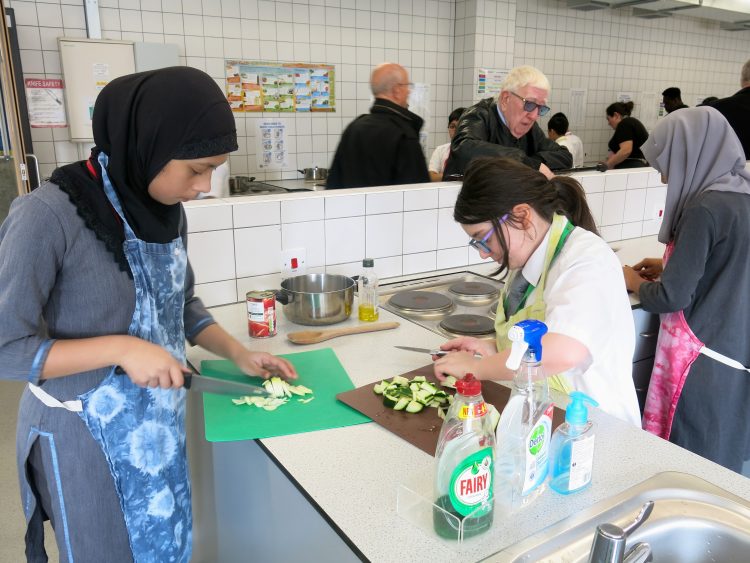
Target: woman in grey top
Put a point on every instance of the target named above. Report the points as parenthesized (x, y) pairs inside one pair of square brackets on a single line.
[(94, 275), (699, 389)]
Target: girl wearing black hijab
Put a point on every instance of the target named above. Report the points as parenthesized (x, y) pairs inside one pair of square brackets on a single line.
[(96, 296)]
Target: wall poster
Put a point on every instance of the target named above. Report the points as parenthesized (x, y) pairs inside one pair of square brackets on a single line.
[(577, 112), (270, 139), (280, 87), (44, 97), (489, 81)]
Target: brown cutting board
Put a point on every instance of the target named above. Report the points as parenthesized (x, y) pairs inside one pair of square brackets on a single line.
[(423, 428)]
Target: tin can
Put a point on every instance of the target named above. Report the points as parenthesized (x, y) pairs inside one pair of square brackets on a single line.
[(261, 314)]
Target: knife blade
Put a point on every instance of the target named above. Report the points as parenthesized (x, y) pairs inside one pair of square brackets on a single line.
[(423, 350), (196, 382), (439, 353)]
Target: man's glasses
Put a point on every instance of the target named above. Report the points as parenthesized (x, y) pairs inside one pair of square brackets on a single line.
[(530, 106), (481, 244)]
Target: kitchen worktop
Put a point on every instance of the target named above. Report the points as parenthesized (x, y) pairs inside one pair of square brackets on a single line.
[(351, 474)]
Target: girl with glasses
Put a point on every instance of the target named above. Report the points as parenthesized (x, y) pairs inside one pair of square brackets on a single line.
[(557, 270)]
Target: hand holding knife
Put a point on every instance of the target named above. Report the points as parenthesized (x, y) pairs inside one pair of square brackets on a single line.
[(194, 381)]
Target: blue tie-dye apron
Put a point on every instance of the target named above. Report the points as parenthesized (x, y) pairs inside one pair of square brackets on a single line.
[(141, 430)]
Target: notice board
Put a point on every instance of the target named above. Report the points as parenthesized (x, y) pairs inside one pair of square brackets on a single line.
[(88, 65)]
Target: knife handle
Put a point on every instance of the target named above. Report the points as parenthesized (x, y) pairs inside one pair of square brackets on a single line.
[(187, 376)]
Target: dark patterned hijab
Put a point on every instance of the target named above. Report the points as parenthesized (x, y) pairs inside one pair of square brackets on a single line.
[(142, 121)]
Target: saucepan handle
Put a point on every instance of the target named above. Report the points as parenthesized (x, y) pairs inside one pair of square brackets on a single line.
[(284, 297)]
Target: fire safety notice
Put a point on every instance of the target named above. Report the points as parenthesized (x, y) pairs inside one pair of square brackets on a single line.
[(44, 97)]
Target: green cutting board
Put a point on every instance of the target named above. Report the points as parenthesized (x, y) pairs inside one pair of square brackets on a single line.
[(320, 370)]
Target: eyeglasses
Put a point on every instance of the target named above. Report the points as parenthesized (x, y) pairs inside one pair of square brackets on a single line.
[(530, 106), (409, 84), (481, 244)]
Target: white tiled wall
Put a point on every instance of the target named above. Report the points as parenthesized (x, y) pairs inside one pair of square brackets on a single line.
[(235, 245), (441, 42), (610, 51)]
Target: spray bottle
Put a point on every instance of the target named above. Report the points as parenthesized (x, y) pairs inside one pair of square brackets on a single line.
[(572, 450), (525, 427)]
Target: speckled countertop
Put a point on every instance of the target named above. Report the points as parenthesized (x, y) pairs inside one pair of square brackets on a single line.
[(352, 473)]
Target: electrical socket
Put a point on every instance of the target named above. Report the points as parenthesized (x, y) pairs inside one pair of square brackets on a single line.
[(657, 211), (292, 262)]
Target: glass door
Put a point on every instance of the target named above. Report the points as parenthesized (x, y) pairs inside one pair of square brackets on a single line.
[(14, 178)]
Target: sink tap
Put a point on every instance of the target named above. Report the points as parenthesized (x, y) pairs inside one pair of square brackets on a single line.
[(609, 541)]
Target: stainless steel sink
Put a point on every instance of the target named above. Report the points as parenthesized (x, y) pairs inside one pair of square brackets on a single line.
[(692, 521)]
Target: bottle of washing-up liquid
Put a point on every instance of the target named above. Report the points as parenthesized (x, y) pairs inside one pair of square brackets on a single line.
[(572, 450), (525, 427), (367, 291), (464, 465)]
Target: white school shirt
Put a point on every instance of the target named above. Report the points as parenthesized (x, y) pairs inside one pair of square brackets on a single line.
[(438, 158), (574, 144), (586, 299)]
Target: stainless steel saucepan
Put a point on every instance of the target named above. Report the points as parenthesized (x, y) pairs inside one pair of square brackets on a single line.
[(317, 299), (314, 174)]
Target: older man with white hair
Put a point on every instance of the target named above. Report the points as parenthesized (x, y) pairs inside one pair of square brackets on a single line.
[(382, 147), (506, 126)]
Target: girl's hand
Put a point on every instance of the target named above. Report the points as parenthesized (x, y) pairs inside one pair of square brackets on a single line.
[(457, 364), (150, 365), (633, 280), (264, 364), (469, 344), (650, 268)]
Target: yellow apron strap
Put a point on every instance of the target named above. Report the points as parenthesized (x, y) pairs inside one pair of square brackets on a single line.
[(560, 230)]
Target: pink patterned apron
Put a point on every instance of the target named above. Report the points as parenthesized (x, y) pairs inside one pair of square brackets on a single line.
[(676, 350)]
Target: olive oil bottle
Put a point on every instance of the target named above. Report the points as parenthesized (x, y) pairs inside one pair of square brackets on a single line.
[(367, 292)]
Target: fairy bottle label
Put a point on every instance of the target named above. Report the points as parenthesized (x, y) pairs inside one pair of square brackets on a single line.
[(471, 482)]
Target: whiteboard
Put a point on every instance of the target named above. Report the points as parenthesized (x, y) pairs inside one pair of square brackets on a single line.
[(88, 65)]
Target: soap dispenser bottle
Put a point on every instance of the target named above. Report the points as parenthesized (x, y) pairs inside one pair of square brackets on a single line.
[(525, 427), (572, 450)]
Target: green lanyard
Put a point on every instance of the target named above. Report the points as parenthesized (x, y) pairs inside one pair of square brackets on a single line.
[(560, 243)]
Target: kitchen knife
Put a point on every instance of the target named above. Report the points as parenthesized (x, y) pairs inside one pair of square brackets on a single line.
[(440, 353), (423, 350), (196, 382)]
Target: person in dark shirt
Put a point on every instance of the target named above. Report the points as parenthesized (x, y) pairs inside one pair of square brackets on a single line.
[(630, 134), (737, 109), (672, 99), (382, 148), (697, 398), (506, 126)]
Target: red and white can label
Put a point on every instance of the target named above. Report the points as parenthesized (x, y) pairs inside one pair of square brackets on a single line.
[(261, 314)]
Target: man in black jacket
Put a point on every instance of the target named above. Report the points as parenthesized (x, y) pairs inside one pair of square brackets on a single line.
[(737, 109), (381, 148), (507, 127)]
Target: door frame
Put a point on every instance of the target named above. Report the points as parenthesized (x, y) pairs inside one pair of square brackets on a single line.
[(11, 106)]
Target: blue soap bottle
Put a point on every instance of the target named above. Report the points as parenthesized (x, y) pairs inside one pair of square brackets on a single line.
[(572, 448)]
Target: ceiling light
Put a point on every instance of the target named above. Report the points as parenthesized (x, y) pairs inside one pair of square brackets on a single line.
[(650, 14), (587, 5)]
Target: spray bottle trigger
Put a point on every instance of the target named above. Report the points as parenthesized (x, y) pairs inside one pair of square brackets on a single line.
[(517, 351)]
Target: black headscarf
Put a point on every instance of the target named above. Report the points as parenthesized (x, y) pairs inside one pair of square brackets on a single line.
[(142, 121)]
